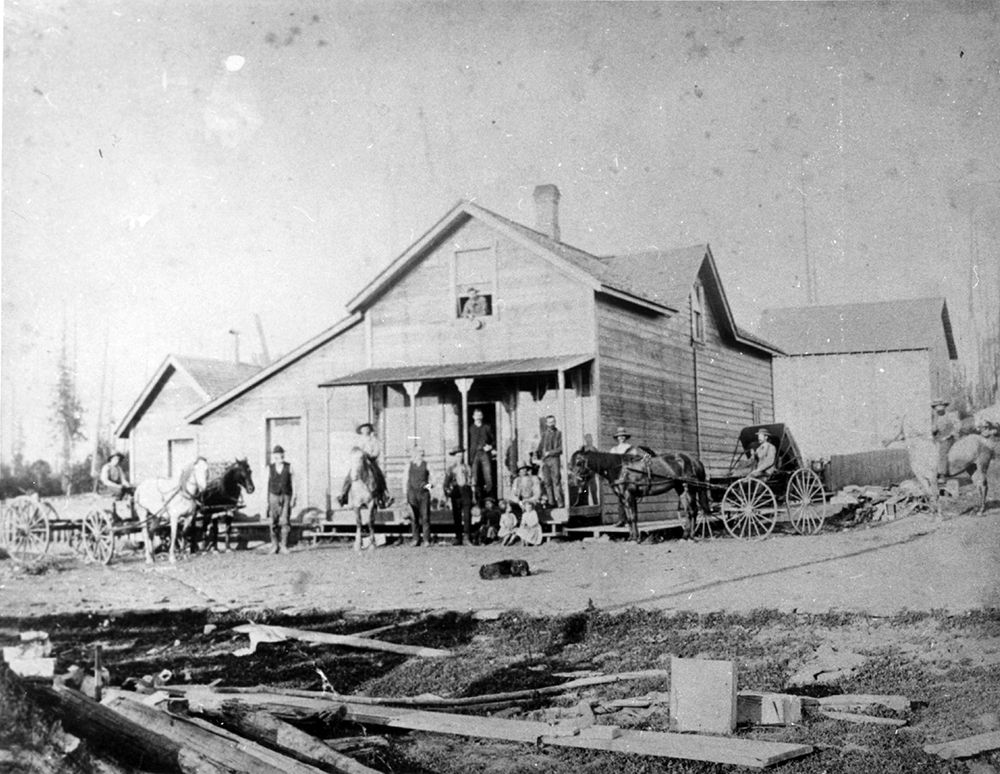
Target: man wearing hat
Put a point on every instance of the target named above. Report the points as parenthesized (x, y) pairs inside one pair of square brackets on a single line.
[(113, 479), (475, 305), (945, 426), (279, 499), (369, 445), (764, 457), (418, 496), (458, 489), (622, 446), (549, 452)]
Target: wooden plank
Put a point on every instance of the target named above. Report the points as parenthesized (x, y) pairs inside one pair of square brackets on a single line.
[(751, 753), (855, 701), (965, 748), (852, 717), (714, 749), (284, 632)]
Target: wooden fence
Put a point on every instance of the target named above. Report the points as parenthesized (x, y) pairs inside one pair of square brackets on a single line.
[(883, 467)]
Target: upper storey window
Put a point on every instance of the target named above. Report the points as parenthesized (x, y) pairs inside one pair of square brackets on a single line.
[(698, 312), (475, 279)]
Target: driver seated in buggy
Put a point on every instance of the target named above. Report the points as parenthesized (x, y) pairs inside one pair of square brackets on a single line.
[(113, 481), (764, 458)]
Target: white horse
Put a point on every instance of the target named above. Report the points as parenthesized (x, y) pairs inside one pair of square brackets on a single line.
[(969, 455), (362, 497), (157, 497)]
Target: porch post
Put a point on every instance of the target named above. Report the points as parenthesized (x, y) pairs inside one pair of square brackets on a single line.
[(562, 423), (328, 506), (412, 388), (464, 385)]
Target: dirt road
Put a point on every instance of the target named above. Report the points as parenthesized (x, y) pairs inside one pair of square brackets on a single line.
[(915, 563)]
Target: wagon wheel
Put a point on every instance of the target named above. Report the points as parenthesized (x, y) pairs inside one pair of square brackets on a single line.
[(805, 500), (26, 530), (99, 536), (749, 509)]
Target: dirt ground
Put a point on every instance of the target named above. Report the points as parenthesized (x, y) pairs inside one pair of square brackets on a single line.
[(912, 563)]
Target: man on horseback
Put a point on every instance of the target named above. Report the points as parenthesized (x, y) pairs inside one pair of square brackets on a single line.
[(370, 447)]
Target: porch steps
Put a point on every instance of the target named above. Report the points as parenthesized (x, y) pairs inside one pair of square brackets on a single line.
[(646, 529)]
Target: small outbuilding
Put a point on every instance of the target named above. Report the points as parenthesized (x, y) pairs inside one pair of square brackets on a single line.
[(852, 372)]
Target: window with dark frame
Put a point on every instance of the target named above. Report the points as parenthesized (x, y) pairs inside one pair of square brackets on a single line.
[(474, 273)]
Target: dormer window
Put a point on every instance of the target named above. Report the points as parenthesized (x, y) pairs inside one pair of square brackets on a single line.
[(475, 272), (698, 313)]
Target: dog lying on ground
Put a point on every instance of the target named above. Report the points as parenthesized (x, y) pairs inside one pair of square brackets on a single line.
[(505, 568)]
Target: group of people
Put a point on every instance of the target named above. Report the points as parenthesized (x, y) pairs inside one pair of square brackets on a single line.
[(469, 487)]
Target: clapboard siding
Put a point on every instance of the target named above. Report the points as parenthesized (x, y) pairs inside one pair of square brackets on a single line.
[(240, 427), (538, 309), (163, 421)]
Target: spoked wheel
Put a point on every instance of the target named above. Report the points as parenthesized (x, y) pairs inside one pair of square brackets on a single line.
[(99, 536), (702, 528), (749, 509), (805, 500), (26, 530)]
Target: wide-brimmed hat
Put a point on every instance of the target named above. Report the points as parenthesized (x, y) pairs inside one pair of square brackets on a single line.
[(277, 450), (369, 425), (117, 454), (763, 430), (524, 466), (456, 450), (939, 402), (622, 431)]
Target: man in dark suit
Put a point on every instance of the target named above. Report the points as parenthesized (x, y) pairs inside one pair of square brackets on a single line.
[(549, 452), (481, 443), (418, 496), (280, 494)]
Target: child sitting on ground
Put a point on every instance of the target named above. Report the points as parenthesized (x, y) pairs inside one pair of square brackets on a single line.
[(530, 531), (489, 521), (508, 526)]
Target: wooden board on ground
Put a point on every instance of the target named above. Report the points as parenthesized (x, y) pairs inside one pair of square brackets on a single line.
[(965, 748), (753, 753), (262, 633)]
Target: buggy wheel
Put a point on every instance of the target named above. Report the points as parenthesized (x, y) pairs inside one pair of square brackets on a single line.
[(99, 536), (26, 530), (749, 509), (805, 500), (702, 528)]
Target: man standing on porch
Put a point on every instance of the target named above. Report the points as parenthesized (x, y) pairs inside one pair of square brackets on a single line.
[(458, 489), (481, 443), (549, 451)]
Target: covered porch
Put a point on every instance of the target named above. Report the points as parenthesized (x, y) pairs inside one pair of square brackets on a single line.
[(432, 406)]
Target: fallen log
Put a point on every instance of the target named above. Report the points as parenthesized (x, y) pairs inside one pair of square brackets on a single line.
[(965, 748), (287, 739), (134, 743), (740, 752), (261, 633), (229, 754)]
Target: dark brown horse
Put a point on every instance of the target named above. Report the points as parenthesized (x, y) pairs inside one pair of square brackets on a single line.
[(634, 476)]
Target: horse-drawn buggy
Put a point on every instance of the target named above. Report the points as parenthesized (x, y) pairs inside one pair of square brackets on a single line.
[(159, 508), (748, 503)]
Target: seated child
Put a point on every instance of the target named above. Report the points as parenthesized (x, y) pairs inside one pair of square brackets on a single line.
[(508, 526), (530, 531), (489, 521)]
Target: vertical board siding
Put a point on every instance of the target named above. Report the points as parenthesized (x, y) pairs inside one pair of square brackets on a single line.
[(841, 404)]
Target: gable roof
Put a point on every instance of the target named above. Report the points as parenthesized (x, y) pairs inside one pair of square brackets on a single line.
[(915, 323), (207, 377), (659, 280), (218, 401)]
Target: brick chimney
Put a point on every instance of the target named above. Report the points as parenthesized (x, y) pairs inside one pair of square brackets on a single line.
[(547, 210)]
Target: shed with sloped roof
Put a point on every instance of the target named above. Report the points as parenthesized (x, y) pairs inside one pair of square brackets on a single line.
[(853, 372)]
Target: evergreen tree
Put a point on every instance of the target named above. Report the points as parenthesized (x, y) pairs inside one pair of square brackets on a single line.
[(67, 416)]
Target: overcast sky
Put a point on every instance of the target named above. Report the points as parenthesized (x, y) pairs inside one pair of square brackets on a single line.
[(155, 189)]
